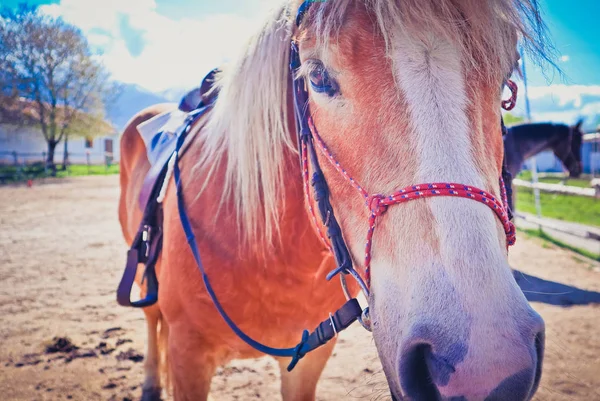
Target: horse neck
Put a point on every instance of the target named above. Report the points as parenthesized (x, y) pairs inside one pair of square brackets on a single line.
[(520, 146)]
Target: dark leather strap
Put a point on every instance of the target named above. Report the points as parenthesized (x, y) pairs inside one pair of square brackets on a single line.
[(318, 182), (328, 329), (147, 244), (141, 250), (345, 316), (507, 176), (145, 248)]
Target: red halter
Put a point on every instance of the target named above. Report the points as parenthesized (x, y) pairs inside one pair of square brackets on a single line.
[(377, 204), (510, 104)]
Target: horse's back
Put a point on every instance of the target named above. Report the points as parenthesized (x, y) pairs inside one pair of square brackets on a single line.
[(134, 166), (532, 129)]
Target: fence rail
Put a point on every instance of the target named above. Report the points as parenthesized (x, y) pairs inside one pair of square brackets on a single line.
[(16, 158), (576, 230), (22, 166), (591, 137), (558, 188)]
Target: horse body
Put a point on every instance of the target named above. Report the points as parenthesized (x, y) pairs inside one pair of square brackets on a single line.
[(523, 141), (271, 295), (401, 97)]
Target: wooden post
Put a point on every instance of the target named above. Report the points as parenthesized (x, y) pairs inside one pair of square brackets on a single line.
[(534, 172), (87, 156), (45, 164)]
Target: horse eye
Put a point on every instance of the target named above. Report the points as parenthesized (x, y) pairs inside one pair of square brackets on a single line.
[(321, 81)]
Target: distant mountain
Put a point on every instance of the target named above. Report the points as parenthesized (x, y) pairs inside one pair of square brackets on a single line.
[(133, 98), (174, 94)]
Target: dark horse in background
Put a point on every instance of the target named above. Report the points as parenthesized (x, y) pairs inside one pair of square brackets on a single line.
[(527, 140), (520, 143), (523, 141)]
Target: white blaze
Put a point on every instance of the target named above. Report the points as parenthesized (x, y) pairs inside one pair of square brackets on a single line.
[(431, 76)]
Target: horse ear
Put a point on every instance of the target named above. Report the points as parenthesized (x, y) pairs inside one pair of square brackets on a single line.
[(579, 124)]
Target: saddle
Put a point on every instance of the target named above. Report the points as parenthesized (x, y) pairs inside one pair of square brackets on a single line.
[(160, 134), (205, 94)]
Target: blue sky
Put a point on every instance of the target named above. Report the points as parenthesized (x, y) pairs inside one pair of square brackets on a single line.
[(138, 35), (573, 26)]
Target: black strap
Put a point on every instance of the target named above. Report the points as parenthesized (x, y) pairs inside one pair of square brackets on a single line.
[(328, 328), (147, 244), (347, 314), (507, 176), (145, 248)]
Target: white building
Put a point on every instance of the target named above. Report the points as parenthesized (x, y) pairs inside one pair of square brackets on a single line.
[(27, 145)]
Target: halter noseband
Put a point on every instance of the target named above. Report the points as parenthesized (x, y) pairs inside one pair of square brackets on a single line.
[(376, 204)]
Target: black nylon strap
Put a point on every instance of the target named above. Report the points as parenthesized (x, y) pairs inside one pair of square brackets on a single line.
[(144, 251), (328, 329), (148, 251), (507, 176)]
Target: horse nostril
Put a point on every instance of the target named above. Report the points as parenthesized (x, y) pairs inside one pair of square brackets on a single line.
[(415, 375), (523, 384)]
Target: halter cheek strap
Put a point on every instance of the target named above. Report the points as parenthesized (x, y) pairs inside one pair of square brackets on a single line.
[(377, 204), (322, 334)]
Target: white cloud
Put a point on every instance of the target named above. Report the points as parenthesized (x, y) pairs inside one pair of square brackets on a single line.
[(89, 14), (564, 58), (565, 94), (177, 53), (561, 103)]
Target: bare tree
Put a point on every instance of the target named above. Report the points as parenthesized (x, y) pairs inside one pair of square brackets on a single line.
[(50, 78)]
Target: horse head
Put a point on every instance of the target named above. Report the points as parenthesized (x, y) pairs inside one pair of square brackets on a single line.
[(410, 92), (568, 149)]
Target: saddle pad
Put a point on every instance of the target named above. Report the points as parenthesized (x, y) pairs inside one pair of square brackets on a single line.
[(160, 135), (160, 132)]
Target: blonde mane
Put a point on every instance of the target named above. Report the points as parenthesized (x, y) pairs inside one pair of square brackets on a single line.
[(248, 128), (485, 30)]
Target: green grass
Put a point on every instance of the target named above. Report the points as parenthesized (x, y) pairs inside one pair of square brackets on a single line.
[(82, 169), (578, 209), (582, 182), (11, 173), (7, 170), (539, 233)]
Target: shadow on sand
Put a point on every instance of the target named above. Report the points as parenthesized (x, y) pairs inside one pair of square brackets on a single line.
[(553, 293)]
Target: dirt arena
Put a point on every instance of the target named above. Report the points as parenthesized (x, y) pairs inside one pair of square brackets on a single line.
[(61, 255)]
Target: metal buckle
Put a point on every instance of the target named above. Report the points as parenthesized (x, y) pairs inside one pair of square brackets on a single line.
[(146, 235), (365, 318), (326, 222), (333, 324)]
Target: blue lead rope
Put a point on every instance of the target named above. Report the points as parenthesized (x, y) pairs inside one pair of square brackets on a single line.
[(324, 332), (297, 352), (327, 329)]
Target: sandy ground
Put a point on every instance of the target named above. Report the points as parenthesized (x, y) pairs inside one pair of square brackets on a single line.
[(61, 254)]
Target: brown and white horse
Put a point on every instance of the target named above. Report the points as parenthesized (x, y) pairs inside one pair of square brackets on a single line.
[(402, 92)]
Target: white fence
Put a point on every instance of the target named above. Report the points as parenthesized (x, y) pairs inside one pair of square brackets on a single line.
[(559, 188), (14, 158)]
